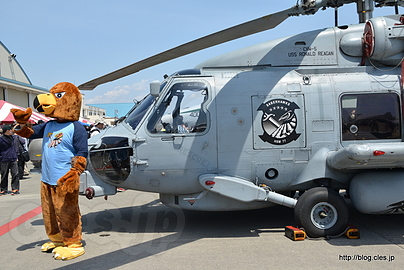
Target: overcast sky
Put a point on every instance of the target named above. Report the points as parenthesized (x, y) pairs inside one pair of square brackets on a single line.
[(79, 40)]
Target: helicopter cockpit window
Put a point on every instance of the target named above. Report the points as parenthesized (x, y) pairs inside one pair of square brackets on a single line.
[(138, 111), (370, 117), (181, 110)]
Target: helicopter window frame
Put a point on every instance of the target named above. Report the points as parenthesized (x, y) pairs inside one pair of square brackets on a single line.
[(173, 97), (370, 116)]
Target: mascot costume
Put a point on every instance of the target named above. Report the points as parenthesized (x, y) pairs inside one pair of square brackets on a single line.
[(64, 158)]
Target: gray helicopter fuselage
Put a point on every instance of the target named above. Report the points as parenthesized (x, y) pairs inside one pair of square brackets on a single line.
[(280, 115)]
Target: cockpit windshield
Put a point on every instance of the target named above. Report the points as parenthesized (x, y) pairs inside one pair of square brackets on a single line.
[(136, 115)]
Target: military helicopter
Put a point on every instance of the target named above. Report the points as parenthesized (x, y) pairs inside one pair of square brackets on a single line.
[(289, 122)]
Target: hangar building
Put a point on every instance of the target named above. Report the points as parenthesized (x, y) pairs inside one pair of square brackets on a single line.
[(15, 86)]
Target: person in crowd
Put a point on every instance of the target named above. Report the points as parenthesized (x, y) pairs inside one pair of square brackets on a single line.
[(99, 125), (22, 146), (9, 160)]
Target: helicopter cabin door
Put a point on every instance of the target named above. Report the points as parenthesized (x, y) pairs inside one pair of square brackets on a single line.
[(180, 139)]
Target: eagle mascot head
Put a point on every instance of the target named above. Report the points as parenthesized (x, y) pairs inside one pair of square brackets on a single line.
[(63, 102)]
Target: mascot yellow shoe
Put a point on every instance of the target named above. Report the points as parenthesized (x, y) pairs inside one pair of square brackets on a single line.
[(56, 241), (69, 252), (49, 246)]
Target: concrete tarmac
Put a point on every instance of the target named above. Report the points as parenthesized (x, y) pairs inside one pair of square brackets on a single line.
[(133, 230)]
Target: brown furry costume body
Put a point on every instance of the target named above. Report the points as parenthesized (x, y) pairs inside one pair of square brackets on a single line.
[(60, 209)]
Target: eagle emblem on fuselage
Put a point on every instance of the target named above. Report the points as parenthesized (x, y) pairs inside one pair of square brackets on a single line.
[(279, 121)]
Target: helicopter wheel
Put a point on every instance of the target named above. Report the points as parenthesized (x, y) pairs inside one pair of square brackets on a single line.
[(321, 212)]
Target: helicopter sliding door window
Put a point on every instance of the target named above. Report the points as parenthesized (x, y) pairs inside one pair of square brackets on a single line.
[(181, 110), (370, 117)]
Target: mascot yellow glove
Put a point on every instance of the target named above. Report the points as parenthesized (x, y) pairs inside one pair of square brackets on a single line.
[(71, 180), (21, 116)]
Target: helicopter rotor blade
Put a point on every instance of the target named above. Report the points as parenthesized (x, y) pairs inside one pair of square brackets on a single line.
[(229, 34), (232, 33)]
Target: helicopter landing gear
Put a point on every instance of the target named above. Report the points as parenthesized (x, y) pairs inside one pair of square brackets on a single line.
[(321, 212)]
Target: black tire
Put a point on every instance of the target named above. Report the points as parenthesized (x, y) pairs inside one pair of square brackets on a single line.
[(321, 212)]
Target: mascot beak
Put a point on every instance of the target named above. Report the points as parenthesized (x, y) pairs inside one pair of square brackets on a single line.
[(45, 103)]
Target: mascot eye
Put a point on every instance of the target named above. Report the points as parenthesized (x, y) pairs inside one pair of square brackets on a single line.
[(60, 95)]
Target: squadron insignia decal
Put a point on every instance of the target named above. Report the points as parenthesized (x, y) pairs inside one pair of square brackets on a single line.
[(279, 121)]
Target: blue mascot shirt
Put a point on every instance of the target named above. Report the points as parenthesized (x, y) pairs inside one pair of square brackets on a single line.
[(61, 142)]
